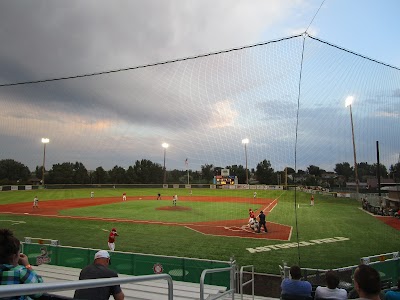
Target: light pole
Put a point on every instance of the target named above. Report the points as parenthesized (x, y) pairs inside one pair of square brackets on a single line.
[(349, 102), (44, 141), (245, 142), (165, 146)]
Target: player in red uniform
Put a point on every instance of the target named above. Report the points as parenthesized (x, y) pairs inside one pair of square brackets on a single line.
[(111, 239), (251, 215)]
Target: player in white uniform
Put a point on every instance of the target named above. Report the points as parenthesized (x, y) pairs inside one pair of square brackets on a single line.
[(174, 200), (254, 224), (254, 195), (91, 194), (124, 197), (36, 202)]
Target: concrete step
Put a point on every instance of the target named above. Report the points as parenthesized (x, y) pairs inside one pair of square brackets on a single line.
[(148, 290)]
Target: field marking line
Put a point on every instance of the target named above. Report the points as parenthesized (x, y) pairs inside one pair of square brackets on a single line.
[(14, 222)]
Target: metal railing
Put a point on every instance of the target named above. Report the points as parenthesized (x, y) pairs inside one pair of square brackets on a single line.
[(38, 288), (247, 282), (232, 270)]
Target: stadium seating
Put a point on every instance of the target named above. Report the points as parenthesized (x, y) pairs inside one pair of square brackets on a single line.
[(143, 290), (295, 297)]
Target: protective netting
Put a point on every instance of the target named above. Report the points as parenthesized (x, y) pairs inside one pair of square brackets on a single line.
[(287, 97)]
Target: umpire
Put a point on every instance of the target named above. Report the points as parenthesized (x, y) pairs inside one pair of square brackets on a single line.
[(262, 222)]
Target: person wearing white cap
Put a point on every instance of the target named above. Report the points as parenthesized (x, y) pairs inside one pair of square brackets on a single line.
[(99, 269)]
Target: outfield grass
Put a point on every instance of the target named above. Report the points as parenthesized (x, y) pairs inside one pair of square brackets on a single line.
[(330, 217)]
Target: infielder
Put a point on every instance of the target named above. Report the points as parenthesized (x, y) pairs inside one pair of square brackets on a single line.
[(91, 194), (255, 195), (36, 202), (111, 239), (124, 197), (174, 200), (312, 200)]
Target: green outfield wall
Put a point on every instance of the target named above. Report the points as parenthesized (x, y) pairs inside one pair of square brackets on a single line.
[(180, 268)]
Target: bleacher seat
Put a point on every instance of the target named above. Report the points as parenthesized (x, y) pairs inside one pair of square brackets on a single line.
[(147, 290), (295, 297)]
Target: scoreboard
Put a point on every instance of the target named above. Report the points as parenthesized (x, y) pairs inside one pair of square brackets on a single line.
[(222, 180)]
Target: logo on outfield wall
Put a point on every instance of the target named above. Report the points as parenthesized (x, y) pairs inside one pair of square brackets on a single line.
[(157, 268), (44, 257)]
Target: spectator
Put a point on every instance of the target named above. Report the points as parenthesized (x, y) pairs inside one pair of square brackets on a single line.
[(367, 282), (393, 294), (331, 291), (14, 266), (99, 269), (294, 286)]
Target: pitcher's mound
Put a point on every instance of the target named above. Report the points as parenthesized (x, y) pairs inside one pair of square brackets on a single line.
[(174, 208)]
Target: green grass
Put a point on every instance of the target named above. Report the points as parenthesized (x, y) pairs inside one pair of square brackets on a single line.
[(147, 210), (330, 217)]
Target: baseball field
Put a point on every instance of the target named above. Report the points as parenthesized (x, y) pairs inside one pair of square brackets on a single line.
[(208, 224)]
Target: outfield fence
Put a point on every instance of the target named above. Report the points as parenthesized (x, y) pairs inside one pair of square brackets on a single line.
[(179, 268)]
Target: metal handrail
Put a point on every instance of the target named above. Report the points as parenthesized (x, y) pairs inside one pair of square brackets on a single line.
[(37, 288), (217, 270), (247, 282)]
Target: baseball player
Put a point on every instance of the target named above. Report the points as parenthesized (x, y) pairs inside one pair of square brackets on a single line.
[(251, 215), (111, 239), (174, 200), (124, 197), (254, 225), (36, 202), (158, 196), (312, 200), (91, 194), (255, 195)]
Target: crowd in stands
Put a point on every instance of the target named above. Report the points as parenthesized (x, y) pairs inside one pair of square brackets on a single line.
[(367, 284), (380, 210)]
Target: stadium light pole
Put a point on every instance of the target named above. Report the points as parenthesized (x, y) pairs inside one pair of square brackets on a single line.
[(349, 102), (245, 142), (165, 146), (44, 141)]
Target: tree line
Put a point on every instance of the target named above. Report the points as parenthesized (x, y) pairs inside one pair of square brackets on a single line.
[(147, 172)]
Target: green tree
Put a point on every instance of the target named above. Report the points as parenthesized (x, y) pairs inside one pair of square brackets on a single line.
[(344, 169), (81, 175), (61, 173), (290, 170), (394, 172), (207, 172), (145, 171), (117, 175), (12, 172), (239, 172), (39, 172), (265, 173), (100, 176), (314, 170)]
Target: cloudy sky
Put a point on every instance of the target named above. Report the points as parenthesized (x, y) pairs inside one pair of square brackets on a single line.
[(202, 107)]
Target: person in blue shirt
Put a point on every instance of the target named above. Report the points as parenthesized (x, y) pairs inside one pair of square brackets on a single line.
[(393, 294), (294, 286)]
